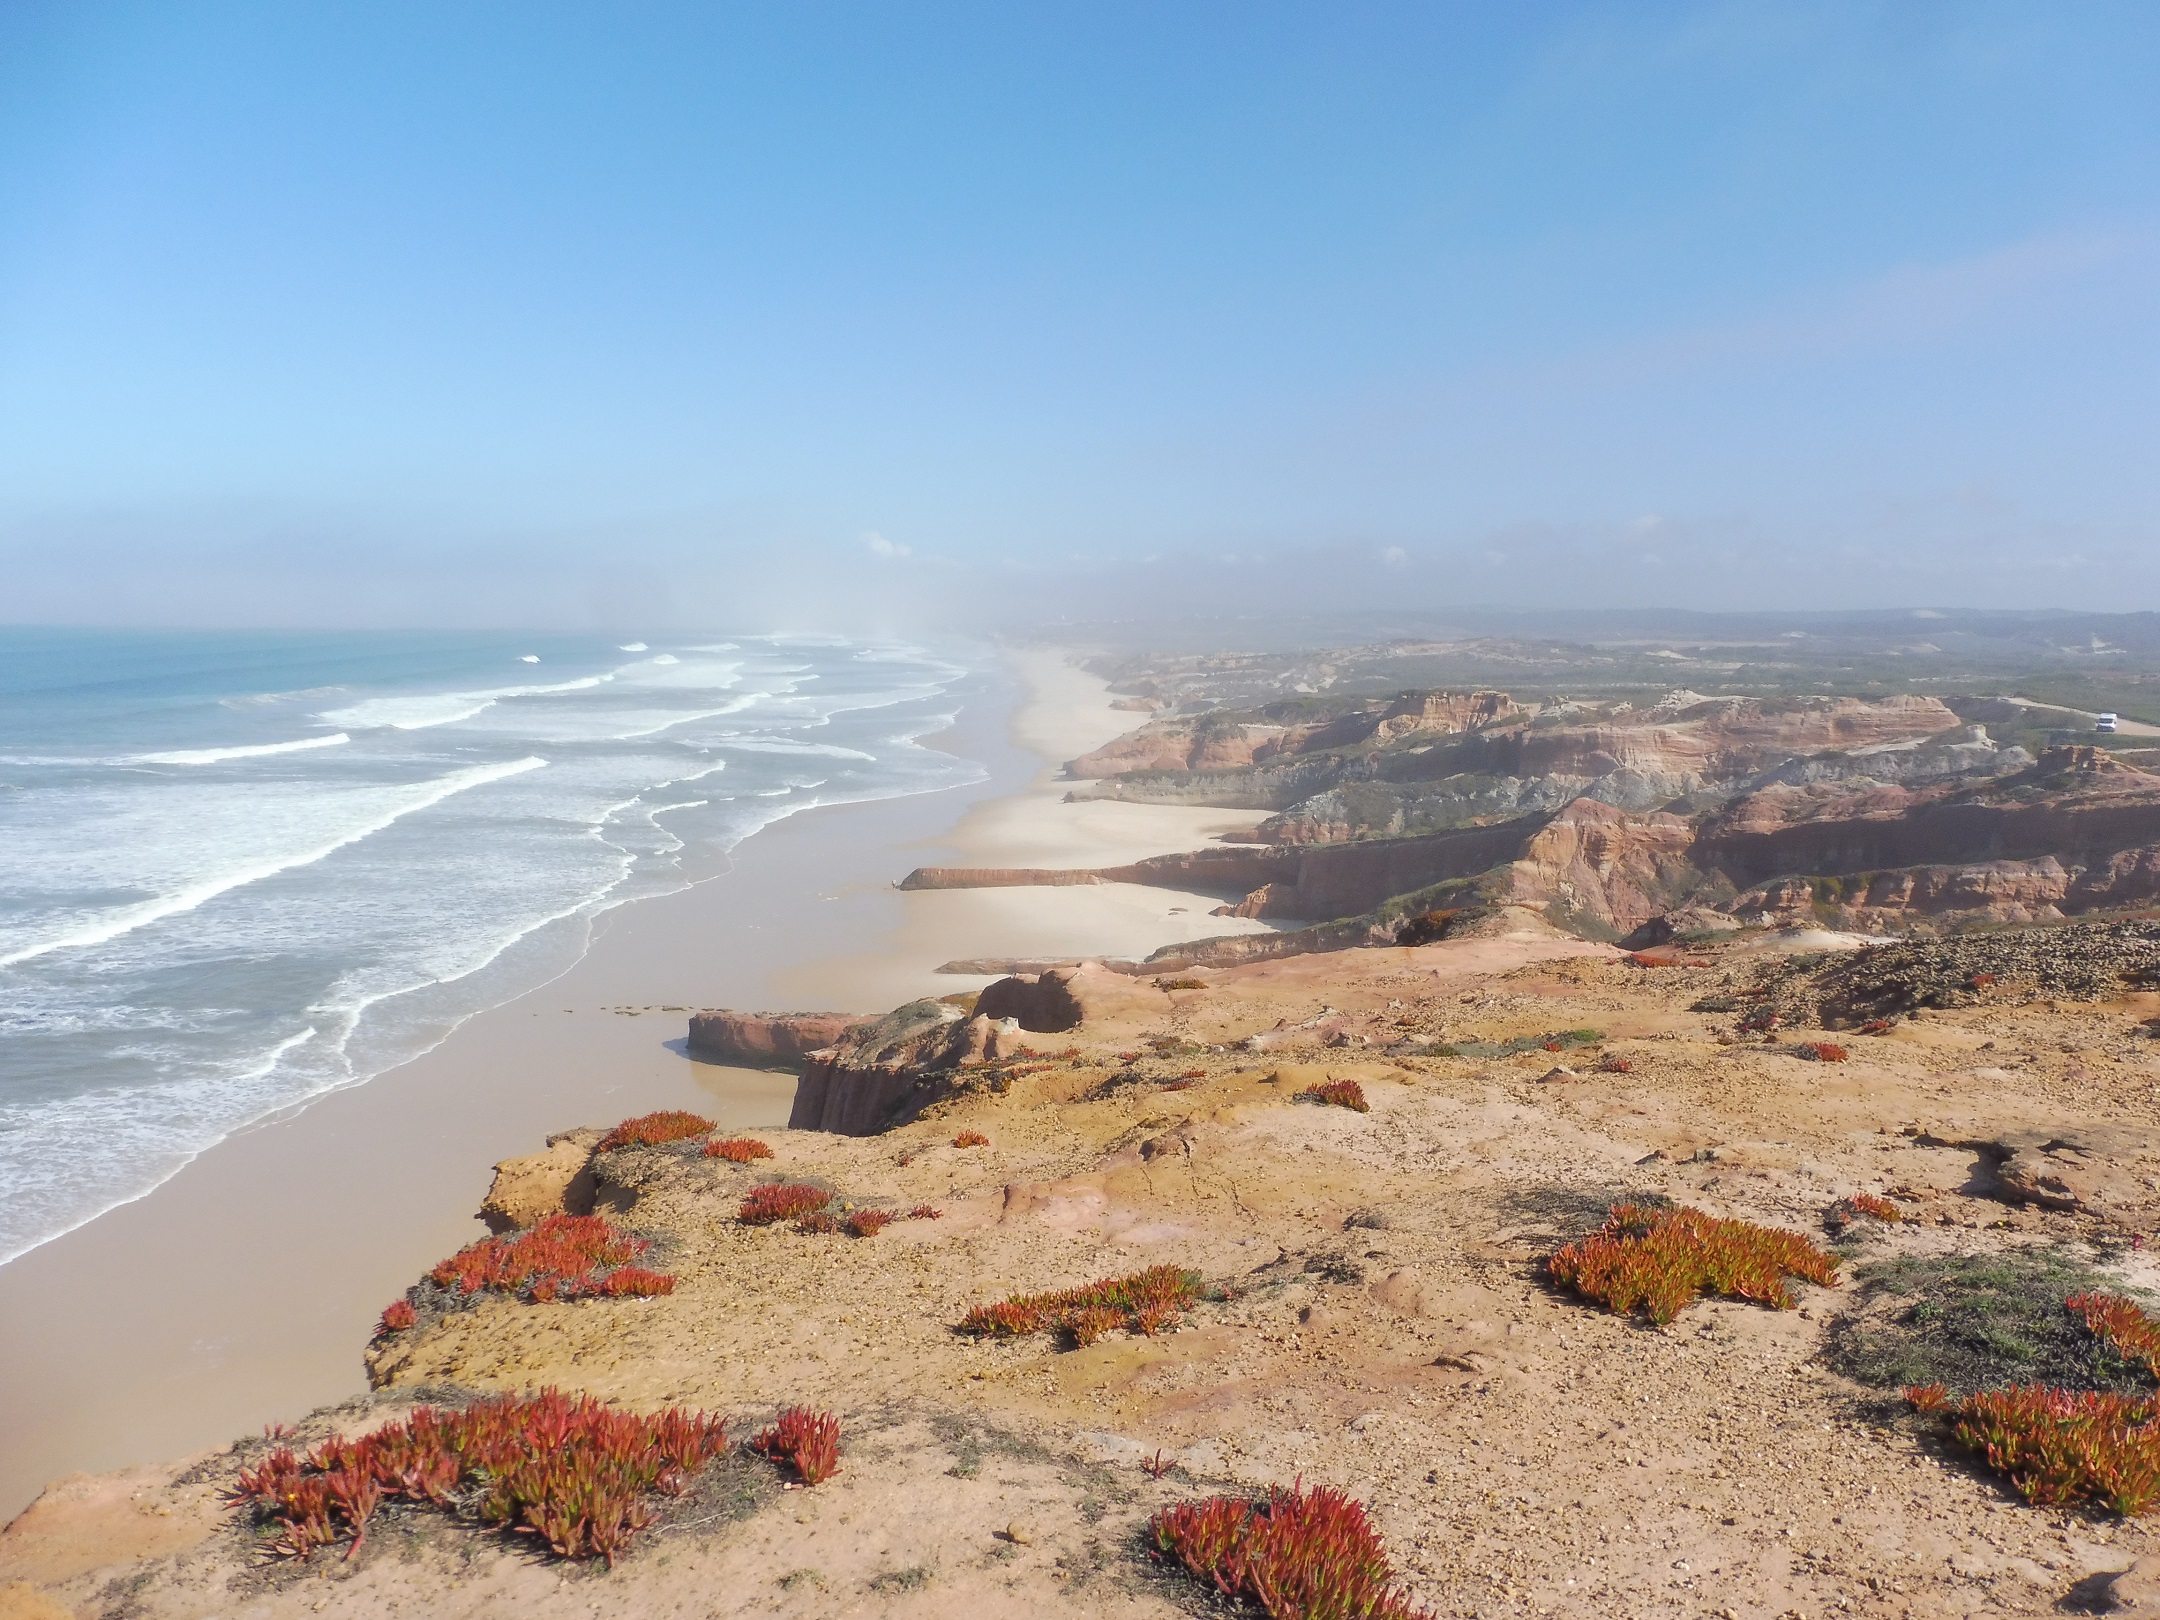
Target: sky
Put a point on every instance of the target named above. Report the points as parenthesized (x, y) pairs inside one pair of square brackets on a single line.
[(645, 313)]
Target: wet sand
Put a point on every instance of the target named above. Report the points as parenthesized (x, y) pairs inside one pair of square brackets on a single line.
[(242, 1290)]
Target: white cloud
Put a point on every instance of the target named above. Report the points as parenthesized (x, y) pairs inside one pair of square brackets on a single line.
[(1395, 557), (882, 547)]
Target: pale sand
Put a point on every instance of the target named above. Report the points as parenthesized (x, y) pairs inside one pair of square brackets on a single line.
[(243, 1290)]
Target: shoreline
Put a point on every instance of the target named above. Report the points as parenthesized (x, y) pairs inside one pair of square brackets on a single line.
[(243, 1288)]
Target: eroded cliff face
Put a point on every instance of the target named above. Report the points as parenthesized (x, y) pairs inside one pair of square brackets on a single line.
[(1607, 872), (887, 1070), (1474, 759), (1215, 742), (1959, 836), (2079, 831)]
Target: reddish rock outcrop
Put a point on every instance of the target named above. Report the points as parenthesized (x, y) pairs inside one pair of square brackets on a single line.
[(766, 1040), (882, 1070), (526, 1191), (1063, 998)]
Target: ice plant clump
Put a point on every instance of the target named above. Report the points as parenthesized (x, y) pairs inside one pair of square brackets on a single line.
[(1876, 1026), (1881, 1208), (576, 1473), (806, 1440), (1341, 1093), (971, 1139), (1659, 1261), (781, 1201), (564, 1257), (738, 1149), (397, 1316), (1614, 1063), (1821, 1052), (925, 1212), (2062, 1446), (650, 1130), (1300, 1555), (867, 1222), (1145, 1302), (2122, 1324)]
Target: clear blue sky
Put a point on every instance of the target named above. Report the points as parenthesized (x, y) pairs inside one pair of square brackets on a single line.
[(388, 313)]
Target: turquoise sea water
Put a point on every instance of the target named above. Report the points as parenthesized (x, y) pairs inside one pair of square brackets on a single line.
[(239, 870)]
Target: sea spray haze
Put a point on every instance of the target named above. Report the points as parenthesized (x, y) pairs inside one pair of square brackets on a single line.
[(237, 871)]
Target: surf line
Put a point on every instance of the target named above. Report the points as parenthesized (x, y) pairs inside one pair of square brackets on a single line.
[(127, 919)]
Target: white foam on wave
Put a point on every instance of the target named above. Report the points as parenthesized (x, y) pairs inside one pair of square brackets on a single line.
[(828, 750), (217, 756), (420, 710), (126, 919)]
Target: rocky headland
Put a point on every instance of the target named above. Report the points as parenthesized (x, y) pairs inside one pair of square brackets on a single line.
[(1106, 1242)]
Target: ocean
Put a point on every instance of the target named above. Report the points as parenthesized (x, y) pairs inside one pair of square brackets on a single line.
[(238, 871)]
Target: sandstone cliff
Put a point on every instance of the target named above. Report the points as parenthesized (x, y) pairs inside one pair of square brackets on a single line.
[(766, 1040)]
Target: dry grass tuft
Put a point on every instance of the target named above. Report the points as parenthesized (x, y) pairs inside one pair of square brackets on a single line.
[(1660, 1261)]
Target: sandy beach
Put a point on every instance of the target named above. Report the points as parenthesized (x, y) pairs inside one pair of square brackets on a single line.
[(243, 1290)]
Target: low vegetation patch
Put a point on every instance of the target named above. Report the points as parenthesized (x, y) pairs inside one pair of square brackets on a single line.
[(1659, 1261), (1299, 1555), (1339, 1094), (738, 1149), (650, 1130), (807, 1441), (564, 1257), (968, 1139), (2061, 1446), (781, 1201), (1821, 1052), (1558, 1041), (570, 1470), (397, 1316), (1973, 1322), (1146, 1302)]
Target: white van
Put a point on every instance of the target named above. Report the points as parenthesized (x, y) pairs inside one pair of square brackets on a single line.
[(2106, 722)]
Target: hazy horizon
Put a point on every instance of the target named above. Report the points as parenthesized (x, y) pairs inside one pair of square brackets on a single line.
[(964, 317)]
